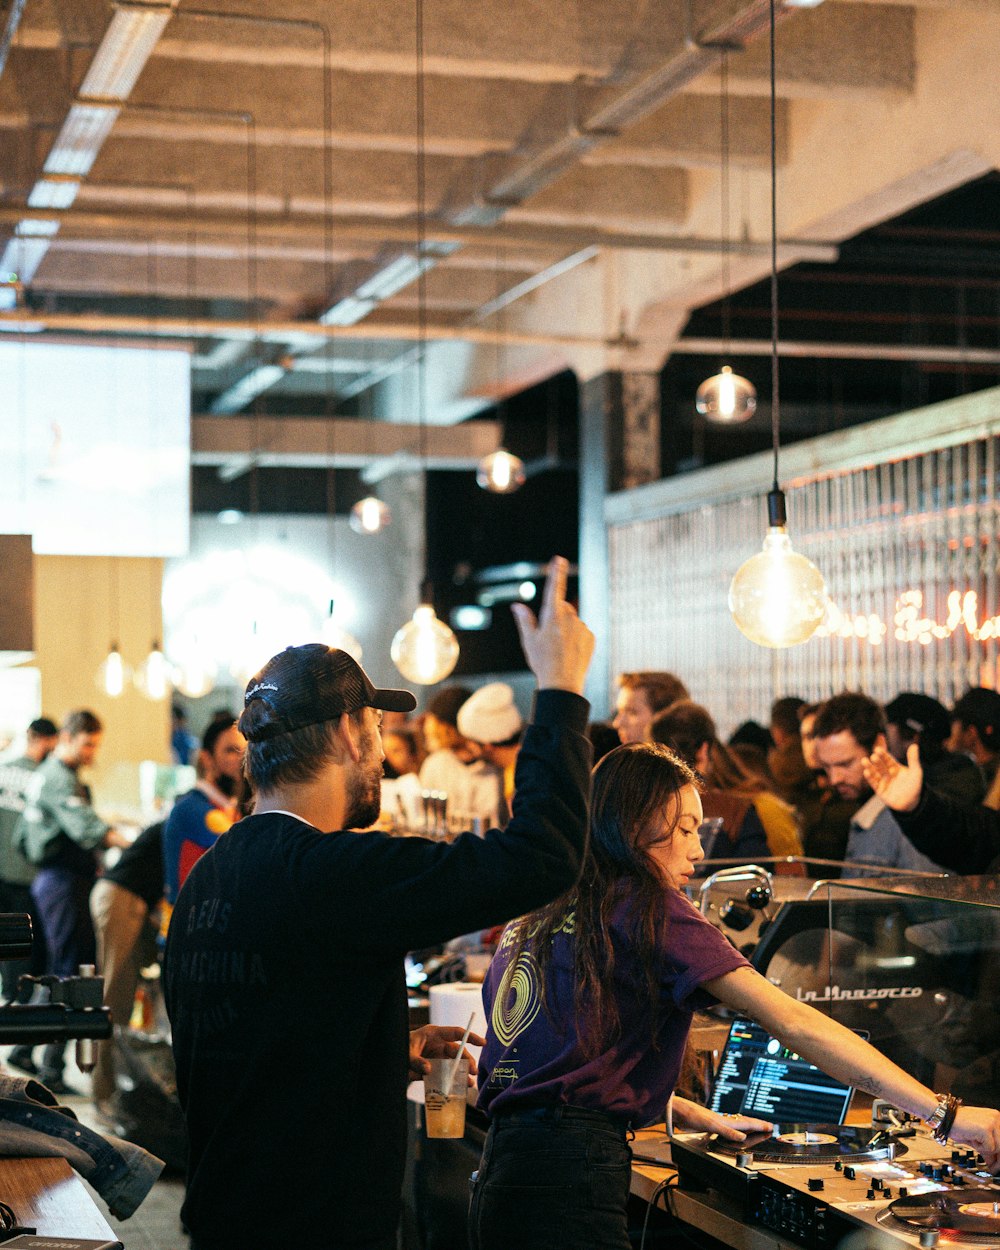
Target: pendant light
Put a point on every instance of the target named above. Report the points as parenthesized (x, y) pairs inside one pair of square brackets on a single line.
[(725, 398), (153, 676), (114, 674), (425, 650), (500, 472), (777, 597), (370, 515), (195, 675)]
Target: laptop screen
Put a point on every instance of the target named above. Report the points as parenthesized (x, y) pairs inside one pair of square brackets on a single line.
[(760, 1076)]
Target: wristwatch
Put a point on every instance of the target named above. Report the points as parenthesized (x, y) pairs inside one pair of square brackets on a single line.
[(942, 1118)]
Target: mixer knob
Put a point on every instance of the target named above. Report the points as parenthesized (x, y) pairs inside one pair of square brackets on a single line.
[(886, 1192), (929, 1237), (838, 1166), (903, 1191), (815, 1182), (849, 1173)]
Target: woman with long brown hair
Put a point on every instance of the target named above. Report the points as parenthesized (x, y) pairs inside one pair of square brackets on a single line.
[(589, 1003), (756, 822)]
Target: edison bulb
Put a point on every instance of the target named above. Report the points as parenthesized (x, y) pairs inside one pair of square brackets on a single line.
[(726, 398), (195, 677), (152, 677), (500, 473), (425, 650), (778, 598), (113, 674), (369, 515)]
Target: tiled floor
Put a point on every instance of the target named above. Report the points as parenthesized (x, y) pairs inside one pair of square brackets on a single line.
[(156, 1225)]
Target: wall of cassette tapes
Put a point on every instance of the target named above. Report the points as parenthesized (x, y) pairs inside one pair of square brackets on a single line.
[(905, 532)]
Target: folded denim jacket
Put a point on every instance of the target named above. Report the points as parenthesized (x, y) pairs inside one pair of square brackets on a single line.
[(33, 1125)]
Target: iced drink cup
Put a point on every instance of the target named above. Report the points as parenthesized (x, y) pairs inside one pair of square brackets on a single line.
[(446, 1108)]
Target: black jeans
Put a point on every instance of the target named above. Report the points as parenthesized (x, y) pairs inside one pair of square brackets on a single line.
[(552, 1178)]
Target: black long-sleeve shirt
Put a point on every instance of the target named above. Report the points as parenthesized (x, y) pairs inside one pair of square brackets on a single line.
[(285, 988), (964, 839)]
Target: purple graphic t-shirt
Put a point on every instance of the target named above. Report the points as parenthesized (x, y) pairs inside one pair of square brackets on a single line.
[(532, 1056)]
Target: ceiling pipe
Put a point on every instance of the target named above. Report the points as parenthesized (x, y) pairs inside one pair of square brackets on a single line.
[(535, 166), (378, 230), (920, 353), (35, 321), (10, 30)]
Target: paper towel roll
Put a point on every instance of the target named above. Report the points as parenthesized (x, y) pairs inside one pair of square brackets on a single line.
[(454, 1003)]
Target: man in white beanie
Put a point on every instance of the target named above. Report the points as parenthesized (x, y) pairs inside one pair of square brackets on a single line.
[(489, 718)]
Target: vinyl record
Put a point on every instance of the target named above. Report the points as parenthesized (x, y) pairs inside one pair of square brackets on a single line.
[(812, 1143), (972, 1213)]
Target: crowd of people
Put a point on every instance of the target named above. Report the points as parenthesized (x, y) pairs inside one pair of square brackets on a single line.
[(87, 907), (798, 787), (288, 935)]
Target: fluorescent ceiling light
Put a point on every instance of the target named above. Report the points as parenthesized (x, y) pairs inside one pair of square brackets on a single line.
[(397, 274), (247, 388), (22, 257), (53, 193), (348, 311), (124, 51), (81, 138), (36, 228)]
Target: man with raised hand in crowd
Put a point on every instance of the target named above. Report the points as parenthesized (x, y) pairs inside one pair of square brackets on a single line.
[(284, 965), (964, 839), (848, 728)]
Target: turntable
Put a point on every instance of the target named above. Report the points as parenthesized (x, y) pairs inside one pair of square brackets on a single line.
[(813, 1143), (972, 1215)]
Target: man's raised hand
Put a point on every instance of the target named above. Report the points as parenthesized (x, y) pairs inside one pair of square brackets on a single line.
[(558, 646), (897, 785)]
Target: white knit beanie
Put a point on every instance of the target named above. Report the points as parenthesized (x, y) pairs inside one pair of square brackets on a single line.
[(489, 714)]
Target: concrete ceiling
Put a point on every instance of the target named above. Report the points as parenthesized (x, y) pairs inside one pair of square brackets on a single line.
[(247, 182)]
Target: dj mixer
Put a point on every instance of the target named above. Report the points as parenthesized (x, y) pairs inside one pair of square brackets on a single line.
[(815, 1184)]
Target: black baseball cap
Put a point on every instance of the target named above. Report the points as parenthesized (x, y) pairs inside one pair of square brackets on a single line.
[(311, 684), (980, 707), (924, 717)]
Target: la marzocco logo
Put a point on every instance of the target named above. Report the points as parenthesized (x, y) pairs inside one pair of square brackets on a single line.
[(834, 994)]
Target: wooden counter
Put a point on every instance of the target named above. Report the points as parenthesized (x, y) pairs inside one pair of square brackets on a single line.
[(48, 1195)]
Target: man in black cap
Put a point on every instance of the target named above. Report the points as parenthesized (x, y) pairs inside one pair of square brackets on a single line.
[(918, 718), (975, 730), (284, 964)]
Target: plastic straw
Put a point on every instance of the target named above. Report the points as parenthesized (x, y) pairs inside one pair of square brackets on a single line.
[(458, 1058)]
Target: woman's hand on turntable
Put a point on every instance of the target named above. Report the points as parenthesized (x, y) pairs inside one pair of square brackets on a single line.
[(698, 1119), (897, 785), (979, 1127)]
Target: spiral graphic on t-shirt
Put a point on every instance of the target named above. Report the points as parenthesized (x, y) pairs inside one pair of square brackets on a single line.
[(518, 999)]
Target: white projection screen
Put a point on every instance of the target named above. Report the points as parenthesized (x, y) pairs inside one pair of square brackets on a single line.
[(95, 448)]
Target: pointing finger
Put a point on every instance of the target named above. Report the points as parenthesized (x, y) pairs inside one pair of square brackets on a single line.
[(555, 588)]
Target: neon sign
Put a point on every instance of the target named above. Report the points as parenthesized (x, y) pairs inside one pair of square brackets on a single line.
[(910, 622)]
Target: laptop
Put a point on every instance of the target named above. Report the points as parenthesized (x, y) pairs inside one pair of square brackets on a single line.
[(758, 1075)]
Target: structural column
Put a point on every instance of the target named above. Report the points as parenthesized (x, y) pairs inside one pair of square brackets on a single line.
[(619, 449)]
